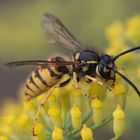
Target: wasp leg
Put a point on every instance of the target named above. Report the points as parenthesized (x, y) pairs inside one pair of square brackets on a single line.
[(75, 80), (42, 106), (44, 100), (94, 79), (102, 83), (78, 88), (87, 77)]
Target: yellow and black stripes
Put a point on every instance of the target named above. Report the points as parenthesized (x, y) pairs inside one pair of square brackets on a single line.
[(41, 80)]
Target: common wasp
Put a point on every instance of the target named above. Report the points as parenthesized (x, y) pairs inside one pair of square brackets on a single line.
[(85, 64)]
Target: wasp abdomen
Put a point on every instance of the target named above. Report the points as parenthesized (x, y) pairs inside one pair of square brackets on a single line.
[(41, 80)]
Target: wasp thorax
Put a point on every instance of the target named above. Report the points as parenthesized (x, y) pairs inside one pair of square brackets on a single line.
[(88, 60)]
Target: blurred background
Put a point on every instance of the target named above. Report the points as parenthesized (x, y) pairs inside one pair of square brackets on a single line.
[(21, 38)]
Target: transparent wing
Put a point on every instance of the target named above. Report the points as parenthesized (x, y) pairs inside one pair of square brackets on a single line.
[(58, 33)]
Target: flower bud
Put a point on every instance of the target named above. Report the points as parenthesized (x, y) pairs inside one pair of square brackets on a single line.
[(119, 121), (76, 117), (119, 89), (3, 138), (132, 30), (52, 101), (97, 106), (9, 119), (37, 129), (57, 134), (55, 114), (97, 90), (23, 119), (7, 129), (86, 133), (28, 106), (77, 98)]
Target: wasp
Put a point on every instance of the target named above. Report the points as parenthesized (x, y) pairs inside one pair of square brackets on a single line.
[(84, 64)]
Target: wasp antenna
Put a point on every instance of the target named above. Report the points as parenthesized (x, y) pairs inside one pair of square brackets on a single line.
[(125, 52), (127, 80)]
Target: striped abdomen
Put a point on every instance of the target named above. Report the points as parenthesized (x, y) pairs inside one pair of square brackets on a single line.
[(41, 80)]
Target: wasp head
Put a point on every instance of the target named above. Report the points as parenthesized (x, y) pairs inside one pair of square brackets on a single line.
[(104, 68)]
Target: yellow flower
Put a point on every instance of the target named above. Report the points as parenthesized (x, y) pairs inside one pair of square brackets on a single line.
[(116, 47), (27, 106), (120, 88), (37, 129), (3, 138), (7, 129), (138, 72), (76, 117), (97, 106), (86, 133), (133, 29), (118, 121), (57, 134), (55, 113), (52, 101), (66, 109), (9, 119), (77, 98), (114, 31), (98, 90), (23, 119)]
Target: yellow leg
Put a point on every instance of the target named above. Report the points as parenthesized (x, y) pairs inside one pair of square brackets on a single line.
[(94, 79), (42, 106), (102, 83), (78, 88), (43, 102), (75, 80)]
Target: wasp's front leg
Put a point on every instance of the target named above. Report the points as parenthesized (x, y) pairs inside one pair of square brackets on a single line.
[(75, 80), (106, 83)]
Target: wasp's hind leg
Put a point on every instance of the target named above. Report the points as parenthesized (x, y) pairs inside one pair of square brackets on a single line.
[(42, 105), (60, 84)]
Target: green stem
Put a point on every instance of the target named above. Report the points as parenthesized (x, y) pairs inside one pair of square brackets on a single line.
[(104, 122), (115, 138)]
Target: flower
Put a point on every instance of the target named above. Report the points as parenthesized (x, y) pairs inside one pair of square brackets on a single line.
[(23, 119), (97, 106), (115, 30), (55, 114), (3, 138), (71, 113), (133, 29), (57, 134), (86, 133), (76, 117), (37, 129), (118, 121)]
